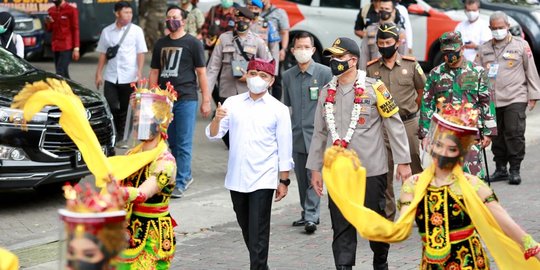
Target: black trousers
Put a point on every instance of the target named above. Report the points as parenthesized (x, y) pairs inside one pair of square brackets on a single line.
[(117, 96), (509, 144), (61, 62), (344, 240), (253, 215)]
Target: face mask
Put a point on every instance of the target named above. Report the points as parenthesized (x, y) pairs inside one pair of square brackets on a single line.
[(57, 2), (472, 15), (257, 85), (388, 52), (445, 162), (303, 56), (227, 3), (338, 67), (452, 57), (4, 27), (82, 265), (242, 26), (385, 15), (499, 34), (173, 25)]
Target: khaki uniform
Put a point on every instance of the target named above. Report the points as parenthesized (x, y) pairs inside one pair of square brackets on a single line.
[(403, 81), (225, 51), (513, 81), (369, 50), (260, 27), (368, 142)]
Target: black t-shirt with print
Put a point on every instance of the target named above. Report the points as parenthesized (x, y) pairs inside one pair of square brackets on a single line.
[(176, 60)]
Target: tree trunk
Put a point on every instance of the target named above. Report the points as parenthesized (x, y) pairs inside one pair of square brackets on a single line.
[(152, 19)]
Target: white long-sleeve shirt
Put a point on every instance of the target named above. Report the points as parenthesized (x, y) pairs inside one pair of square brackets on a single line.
[(407, 24), (260, 137)]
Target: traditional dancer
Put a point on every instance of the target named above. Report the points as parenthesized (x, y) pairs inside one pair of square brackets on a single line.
[(453, 209)]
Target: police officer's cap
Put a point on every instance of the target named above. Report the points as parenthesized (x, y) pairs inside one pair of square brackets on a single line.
[(388, 30), (244, 12), (451, 41), (342, 46)]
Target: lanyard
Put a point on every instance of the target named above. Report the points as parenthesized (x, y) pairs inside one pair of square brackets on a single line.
[(503, 49)]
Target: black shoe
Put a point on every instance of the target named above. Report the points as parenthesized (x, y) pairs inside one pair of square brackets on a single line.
[(500, 174), (343, 267), (515, 178), (310, 227), (298, 223)]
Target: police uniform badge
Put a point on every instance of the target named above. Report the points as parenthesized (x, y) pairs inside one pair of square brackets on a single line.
[(385, 104)]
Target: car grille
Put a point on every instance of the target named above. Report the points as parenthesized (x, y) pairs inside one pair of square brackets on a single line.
[(24, 25), (58, 143)]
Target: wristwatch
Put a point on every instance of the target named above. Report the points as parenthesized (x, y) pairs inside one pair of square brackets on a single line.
[(286, 182)]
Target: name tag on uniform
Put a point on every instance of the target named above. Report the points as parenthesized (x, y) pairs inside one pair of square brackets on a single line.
[(493, 68), (313, 93), (250, 49)]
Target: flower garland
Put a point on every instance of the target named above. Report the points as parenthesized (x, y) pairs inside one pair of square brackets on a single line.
[(359, 85)]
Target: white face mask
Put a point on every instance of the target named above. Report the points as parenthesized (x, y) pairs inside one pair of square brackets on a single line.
[(472, 15), (257, 85), (499, 34), (303, 55)]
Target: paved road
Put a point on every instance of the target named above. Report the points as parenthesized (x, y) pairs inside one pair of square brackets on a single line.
[(208, 236)]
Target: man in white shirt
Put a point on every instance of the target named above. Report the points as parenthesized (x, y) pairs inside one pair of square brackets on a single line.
[(260, 135), (407, 25), (125, 67), (474, 31)]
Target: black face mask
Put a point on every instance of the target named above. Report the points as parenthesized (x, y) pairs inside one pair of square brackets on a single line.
[(256, 14), (338, 67), (452, 57), (242, 26), (173, 25), (445, 162), (388, 52), (82, 265), (385, 15)]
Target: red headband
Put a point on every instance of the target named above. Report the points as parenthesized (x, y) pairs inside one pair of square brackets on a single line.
[(262, 65)]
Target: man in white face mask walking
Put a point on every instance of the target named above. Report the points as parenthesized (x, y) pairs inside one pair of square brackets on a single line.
[(515, 84), (474, 30), (301, 85), (260, 151)]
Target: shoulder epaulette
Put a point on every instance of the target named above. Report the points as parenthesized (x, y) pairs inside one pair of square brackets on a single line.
[(372, 61), (371, 80), (408, 58)]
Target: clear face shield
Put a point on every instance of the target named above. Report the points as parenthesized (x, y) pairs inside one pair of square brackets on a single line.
[(148, 115), (448, 142)]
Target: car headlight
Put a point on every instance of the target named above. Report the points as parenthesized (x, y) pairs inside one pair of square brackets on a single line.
[(15, 117), (12, 153), (37, 24)]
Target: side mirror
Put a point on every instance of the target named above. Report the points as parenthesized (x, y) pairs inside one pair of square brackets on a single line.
[(417, 9)]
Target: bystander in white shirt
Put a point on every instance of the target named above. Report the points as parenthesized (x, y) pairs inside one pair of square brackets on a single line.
[(123, 68), (476, 32), (260, 136), (407, 24)]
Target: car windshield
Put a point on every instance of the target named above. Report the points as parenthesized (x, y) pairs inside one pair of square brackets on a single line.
[(446, 4), (517, 2), (11, 65)]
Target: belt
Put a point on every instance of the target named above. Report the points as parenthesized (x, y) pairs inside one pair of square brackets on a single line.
[(458, 235), (147, 210), (408, 116)]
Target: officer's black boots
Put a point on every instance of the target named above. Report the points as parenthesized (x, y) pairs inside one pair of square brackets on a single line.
[(500, 174), (515, 178)]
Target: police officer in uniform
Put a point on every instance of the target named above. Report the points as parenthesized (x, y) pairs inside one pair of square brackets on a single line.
[(515, 83), (369, 49), (352, 111), (262, 27), (458, 81), (405, 80), (231, 54)]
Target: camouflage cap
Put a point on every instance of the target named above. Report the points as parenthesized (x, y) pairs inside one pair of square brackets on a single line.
[(451, 41)]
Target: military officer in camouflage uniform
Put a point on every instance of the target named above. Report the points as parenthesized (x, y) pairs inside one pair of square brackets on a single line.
[(374, 111), (516, 85), (405, 80), (458, 81), (369, 48), (232, 52)]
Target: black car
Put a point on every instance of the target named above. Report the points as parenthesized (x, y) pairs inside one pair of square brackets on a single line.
[(526, 13), (31, 29), (43, 154)]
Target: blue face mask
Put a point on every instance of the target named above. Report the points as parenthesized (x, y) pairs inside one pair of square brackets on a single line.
[(4, 27)]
